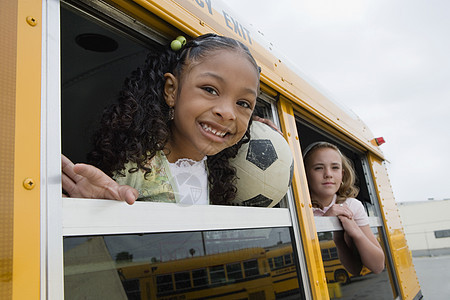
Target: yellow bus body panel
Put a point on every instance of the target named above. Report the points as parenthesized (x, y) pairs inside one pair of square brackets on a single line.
[(8, 51), (26, 200), (401, 256)]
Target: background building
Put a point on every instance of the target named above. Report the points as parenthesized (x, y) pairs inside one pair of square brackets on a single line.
[(427, 226)]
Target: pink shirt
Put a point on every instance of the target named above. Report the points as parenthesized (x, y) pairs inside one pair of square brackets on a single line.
[(359, 213)]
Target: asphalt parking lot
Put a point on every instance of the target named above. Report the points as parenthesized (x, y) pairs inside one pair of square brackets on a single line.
[(433, 273)]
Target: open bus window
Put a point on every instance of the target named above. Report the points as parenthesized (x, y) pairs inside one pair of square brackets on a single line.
[(341, 281), (184, 265), (92, 77), (309, 134)]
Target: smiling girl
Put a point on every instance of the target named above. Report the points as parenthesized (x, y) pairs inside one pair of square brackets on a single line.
[(331, 181), (177, 122)]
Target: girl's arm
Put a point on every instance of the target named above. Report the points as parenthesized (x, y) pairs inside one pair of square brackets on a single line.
[(347, 252), (86, 181), (361, 238)]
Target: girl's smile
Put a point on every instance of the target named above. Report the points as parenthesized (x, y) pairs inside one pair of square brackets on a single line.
[(215, 130)]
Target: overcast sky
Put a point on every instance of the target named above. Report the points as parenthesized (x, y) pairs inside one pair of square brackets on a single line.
[(388, 61)]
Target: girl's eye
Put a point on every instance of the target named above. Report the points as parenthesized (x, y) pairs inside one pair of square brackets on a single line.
[(318, 168), (210, 90), (244, 104)]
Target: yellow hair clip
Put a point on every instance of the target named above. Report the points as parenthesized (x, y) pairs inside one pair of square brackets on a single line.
[(178, 43)]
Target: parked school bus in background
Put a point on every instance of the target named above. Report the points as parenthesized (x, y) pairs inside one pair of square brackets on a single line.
[(240, 274), (237, 274), (334, 270), (54, 85), (283, 270)]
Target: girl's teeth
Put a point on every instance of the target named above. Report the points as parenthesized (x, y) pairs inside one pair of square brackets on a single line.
[(213, 131)]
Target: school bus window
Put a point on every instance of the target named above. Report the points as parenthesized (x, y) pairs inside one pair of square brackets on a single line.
[(200, 278), (310, 134), (217, 274), (182, 280), (251, 268), (234, 271), (329, 254), (333, 253), (164, 283), (325, 254), (287, 259), (338, 276), (270, 260), (132, 288), (85, 96), (278, 262)]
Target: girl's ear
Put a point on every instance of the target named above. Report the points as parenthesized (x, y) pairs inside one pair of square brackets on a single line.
[(170, 89)]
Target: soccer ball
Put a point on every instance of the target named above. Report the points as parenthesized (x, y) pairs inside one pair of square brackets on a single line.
[(264, 168)]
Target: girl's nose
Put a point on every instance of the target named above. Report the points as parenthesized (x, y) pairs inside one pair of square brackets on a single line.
[(327, 173), (225, 110)]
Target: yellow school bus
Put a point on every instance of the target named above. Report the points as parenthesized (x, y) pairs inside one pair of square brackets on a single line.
[(283, 270), (62, 62), (238, 274), (334, 270)]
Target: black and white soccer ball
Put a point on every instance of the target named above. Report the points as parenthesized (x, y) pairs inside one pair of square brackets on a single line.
[(264, 168)]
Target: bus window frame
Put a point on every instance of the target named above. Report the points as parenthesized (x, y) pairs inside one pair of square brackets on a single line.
[(98, 216), (72, 216), (52, 276), (327, 225), (330, 224)]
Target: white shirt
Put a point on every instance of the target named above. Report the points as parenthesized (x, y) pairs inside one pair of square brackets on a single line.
[(357, 208), (190, 181)]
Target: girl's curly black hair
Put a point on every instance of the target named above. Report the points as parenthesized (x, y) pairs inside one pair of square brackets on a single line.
[(138, 125)]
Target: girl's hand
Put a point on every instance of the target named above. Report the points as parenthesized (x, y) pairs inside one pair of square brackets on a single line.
[(350, 227), (86, 181), (338, 210)]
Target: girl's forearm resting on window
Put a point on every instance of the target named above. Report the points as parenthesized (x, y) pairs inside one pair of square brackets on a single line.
[(369, 250)]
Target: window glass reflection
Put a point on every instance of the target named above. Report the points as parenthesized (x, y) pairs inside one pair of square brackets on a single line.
[(344, 285), (234, 271), (229, 264)]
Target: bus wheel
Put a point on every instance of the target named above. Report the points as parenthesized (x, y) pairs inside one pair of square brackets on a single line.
[(341, 276)]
